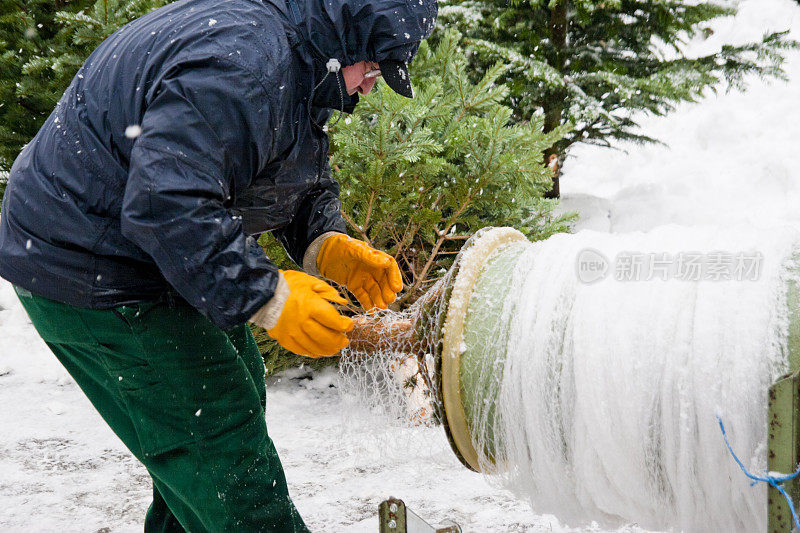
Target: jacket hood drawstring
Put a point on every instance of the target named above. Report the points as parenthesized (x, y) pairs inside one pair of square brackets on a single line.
[(333, 66)]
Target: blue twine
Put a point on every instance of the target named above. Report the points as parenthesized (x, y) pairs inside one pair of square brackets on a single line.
[(775, 481)]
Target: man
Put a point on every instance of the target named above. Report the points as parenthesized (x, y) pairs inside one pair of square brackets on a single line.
[(127, 221)]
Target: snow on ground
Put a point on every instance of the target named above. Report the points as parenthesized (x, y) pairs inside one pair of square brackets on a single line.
[(732, 159), (61, 467)]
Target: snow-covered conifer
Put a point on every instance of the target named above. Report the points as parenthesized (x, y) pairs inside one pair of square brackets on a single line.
[(595, 63)]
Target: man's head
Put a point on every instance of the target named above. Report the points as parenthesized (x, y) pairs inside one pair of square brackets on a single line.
[(360, 78), (365, 34)]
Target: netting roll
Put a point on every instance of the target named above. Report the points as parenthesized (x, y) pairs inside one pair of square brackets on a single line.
[(597, 400)]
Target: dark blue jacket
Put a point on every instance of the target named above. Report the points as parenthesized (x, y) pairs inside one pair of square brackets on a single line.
[(229, 146)]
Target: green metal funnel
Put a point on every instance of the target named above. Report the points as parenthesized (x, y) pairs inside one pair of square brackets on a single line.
[(480, 281), (470, 361)]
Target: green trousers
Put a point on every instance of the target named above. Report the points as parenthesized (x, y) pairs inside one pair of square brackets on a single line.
[(188, 400)]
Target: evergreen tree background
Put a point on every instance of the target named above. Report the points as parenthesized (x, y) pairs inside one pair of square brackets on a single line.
[(595, 63)]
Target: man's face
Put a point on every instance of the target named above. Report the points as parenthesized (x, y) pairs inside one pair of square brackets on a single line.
[(360, 78)]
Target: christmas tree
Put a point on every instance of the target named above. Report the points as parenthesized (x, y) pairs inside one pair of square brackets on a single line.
[(419, 176), (594, 64)]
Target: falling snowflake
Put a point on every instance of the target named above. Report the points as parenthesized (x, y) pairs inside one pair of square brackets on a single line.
[(133, 131)]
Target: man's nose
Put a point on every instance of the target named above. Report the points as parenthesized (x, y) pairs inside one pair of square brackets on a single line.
[(366, 85)]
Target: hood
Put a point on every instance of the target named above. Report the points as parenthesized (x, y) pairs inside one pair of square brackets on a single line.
[(367, 30), (361, 30)]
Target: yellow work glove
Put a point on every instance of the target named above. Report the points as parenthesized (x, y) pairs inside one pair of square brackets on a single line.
[(309, 324), (371, 275)]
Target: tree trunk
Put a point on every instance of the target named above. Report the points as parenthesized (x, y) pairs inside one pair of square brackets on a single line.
[(377, 333), (553, 158), (554, 111)]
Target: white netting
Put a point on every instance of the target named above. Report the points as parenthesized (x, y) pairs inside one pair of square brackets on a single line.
[(599, 401), (388, 371)]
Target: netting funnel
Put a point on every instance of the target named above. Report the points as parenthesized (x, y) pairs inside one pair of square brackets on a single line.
[(472, 329), (452, 336), (474, 337), (599, 399)]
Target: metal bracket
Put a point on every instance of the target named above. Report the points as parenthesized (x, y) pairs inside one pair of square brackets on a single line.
[(783, 448), (395, 517)]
